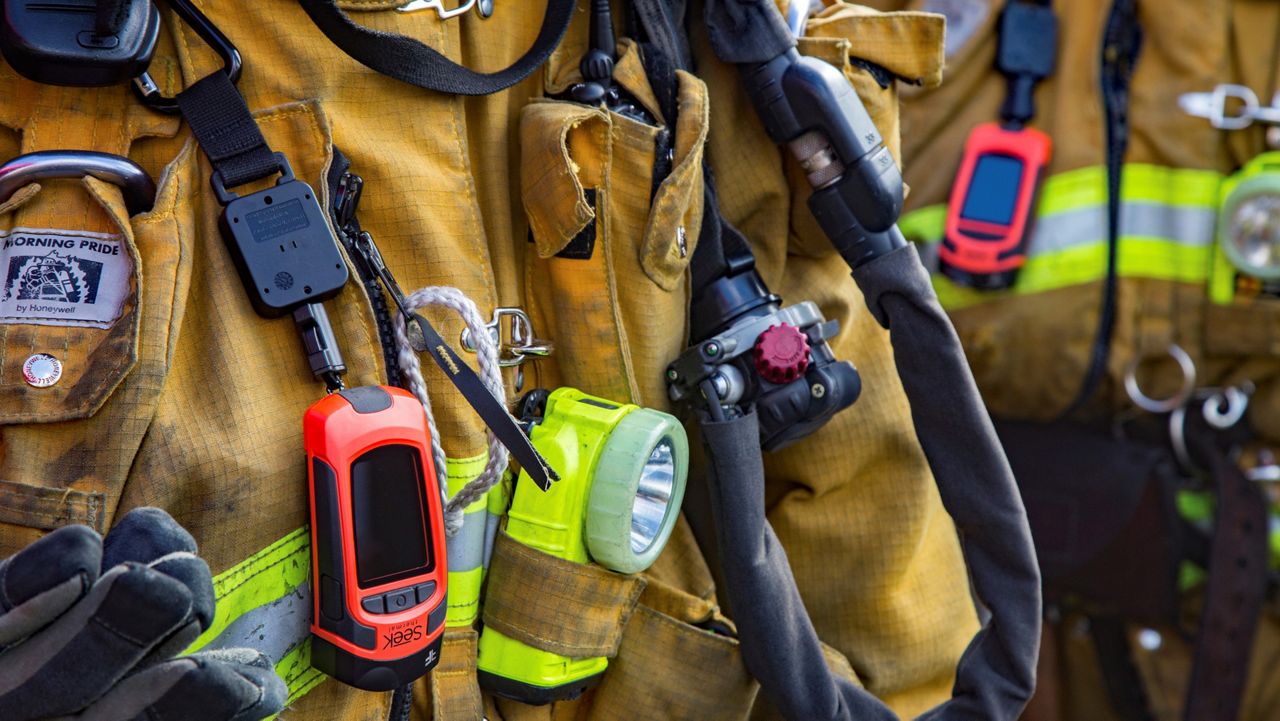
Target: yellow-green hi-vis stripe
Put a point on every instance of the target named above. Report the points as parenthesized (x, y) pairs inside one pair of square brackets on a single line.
[(1167, 218), (264, 602)]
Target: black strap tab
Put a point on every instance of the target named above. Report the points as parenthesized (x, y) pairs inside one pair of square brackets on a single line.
[(413, 62), (491, 410), (226, 131)]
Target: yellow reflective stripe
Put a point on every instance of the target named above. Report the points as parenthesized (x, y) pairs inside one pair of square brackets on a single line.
[(1167, 220), (461, 471), (264, 577), (1139, 183), (466, 550), (265, 580)]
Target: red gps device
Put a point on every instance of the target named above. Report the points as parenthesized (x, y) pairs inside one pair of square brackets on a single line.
[(992, 207), (377, 539)]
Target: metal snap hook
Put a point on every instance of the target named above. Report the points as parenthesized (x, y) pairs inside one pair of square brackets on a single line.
[(1165, 405)]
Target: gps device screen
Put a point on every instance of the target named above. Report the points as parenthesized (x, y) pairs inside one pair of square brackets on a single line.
[(992, 196), (389, 516)]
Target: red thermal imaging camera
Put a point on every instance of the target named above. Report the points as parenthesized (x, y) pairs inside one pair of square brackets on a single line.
[(377, 539), (992, 207)]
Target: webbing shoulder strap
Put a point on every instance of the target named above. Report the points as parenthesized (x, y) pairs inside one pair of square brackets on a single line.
[(413, 62)]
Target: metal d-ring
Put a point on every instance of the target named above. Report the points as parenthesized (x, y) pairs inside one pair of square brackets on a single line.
[(138, 188), (1173, 402)]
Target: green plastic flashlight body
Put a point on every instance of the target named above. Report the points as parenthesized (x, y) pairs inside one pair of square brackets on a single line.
[(1259, 178), (600, 449)]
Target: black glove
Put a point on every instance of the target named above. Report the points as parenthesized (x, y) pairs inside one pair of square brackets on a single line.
[(90, 628)]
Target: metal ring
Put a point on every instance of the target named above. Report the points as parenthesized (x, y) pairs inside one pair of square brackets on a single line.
[(138, 189), (1178, 437), (1173, 402)]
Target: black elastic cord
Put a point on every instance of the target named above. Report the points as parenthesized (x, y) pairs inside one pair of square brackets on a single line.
[(226, 130), (401, 703), (1119, 54), (415, 63)]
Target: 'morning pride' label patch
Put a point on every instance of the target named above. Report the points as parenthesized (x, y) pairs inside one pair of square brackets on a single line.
[(63, 277)]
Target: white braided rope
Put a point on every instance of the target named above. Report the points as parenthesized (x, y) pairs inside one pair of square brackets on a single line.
[(490, 374)]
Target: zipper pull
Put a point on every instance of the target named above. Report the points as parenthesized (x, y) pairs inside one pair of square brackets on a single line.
[(363, 245), (345, 200)]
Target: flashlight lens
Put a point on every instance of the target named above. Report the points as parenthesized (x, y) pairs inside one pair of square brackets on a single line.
[(1254, 237), (652, 497)]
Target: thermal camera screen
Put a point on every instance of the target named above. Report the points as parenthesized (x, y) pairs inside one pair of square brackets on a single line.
[(390, 516), (993, 191)]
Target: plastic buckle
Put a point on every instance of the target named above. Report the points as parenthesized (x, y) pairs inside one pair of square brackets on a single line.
[(512, 332)]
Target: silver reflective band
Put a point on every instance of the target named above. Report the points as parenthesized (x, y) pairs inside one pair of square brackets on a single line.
[(1192, 227), (653, 496)]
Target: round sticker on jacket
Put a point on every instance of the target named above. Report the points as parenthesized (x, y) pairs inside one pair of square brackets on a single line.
[(42, 370)]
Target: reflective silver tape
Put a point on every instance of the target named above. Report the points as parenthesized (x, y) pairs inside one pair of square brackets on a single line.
[(274, 629)]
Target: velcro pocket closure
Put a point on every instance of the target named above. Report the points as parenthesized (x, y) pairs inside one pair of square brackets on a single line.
[(572, 609)]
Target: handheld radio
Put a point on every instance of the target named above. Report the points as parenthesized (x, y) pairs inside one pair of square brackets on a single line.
[(992, 206), (377, 538)]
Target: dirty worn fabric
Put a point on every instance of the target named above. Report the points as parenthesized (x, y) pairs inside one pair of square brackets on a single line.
[(191, 402)]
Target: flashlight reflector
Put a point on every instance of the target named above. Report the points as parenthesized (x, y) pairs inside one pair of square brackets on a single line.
[(653, 497), (1252, 240)]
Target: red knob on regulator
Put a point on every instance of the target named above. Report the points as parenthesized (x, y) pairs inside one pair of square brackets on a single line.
[(781, 353)]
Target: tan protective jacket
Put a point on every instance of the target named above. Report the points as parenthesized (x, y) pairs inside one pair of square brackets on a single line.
[(191, 402), (1030, 347)]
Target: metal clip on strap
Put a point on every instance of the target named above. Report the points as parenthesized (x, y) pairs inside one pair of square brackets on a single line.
[(517, 344), (146, 87), (485, 7), (1213, 106)]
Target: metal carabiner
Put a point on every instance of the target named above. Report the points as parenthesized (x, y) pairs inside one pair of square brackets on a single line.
[(145, 87), (517, 344), (1173, 402), (138, 188)]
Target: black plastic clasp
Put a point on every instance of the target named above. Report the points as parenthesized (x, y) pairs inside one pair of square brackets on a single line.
[(1026, 54), (61, 43), (145, 87), (282, 244)]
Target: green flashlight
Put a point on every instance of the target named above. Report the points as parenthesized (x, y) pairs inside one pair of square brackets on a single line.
[(623, 470), (1247, 262)]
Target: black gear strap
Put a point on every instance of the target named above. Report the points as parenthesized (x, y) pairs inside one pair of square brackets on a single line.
[(226, 131), (413, 62)]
